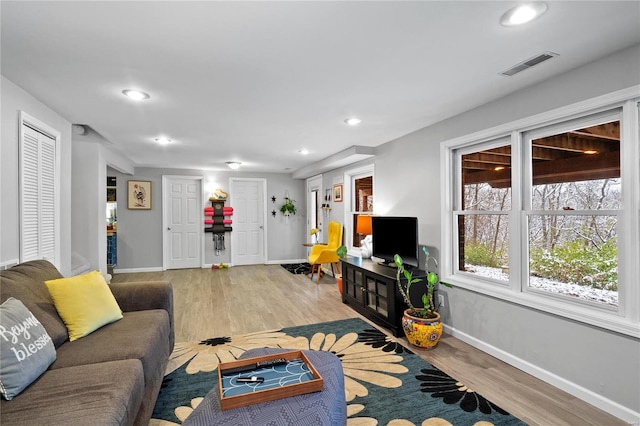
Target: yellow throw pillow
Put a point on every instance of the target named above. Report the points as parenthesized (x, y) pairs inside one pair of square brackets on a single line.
[(84, 302)]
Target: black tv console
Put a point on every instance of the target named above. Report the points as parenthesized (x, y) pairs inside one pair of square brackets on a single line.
[(371, 290)]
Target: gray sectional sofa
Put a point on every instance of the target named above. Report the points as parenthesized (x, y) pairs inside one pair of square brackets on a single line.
[(110, 377)]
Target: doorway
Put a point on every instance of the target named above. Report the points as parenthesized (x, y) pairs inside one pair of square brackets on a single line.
[(182, 222), (247, 197), (314, 197)]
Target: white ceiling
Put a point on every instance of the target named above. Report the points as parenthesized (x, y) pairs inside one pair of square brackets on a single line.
[(256, 82)]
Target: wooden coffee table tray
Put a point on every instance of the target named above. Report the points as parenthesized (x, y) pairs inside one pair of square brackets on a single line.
[(297, 377)]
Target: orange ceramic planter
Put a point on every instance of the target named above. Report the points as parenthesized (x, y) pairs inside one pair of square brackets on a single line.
[(423, 333)]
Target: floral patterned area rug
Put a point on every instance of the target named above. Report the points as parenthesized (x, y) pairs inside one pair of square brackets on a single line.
[(385, 383)]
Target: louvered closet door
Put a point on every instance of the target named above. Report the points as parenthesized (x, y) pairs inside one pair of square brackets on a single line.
[(38, 196)]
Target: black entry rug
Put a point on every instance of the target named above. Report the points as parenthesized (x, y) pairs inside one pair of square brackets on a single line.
[(297, 268), (385, 384)]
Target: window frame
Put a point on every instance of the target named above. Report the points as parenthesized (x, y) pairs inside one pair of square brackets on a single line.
[(459, 195), (527, 211), (626, 319)]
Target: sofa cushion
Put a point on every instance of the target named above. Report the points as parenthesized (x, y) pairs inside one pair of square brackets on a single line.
[(26, 350), (25, 282), (84, 303), (142, 335), (94, 394)]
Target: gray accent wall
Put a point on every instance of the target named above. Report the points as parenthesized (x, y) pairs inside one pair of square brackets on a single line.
[(587, 360)]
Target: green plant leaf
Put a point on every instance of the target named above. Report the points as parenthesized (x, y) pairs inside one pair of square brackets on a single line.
[(432, 278)]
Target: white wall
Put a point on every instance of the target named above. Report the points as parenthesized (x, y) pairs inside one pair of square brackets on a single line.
[(90, 159), (14, 100), (597, 365)]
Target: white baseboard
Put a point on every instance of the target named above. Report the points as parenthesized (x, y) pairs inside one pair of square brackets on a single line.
[(134, 270), (574, 389), (8, 264), (284, 261)]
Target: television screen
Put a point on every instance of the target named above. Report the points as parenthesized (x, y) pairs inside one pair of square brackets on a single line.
[(395, 235)]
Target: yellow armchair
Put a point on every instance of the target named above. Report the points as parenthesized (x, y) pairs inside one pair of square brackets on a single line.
[(326, 253)]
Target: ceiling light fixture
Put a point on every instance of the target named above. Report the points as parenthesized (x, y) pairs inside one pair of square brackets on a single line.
[(353, 121), (136, 95), (304, 151), (162, 140), (590, 152), (233, 165), (523, 13), (498, 168)]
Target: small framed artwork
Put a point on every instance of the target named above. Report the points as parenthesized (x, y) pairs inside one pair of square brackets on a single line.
[(337, 193), (139, 195)]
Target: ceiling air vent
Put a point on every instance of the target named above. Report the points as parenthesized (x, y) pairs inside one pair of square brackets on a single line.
[(538, 59)]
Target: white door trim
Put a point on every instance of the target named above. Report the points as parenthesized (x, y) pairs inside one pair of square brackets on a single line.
[(232, 181), (314, 182), (347, 193), (165, 206)]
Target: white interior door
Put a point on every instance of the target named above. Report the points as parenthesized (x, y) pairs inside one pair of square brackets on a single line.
[(39, 191), (248, 235), (183, 221)]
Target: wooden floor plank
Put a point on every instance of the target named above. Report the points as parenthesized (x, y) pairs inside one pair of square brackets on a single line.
[(243, 299)]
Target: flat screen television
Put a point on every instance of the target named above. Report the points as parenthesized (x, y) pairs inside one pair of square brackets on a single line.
[(395, 235)]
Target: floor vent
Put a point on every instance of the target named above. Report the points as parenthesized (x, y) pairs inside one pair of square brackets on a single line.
[(538, 59)]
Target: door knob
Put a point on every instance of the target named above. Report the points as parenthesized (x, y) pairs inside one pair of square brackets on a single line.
[(261, 227), (168, 228)]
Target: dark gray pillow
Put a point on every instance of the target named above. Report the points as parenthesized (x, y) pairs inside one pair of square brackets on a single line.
[(26, 350)]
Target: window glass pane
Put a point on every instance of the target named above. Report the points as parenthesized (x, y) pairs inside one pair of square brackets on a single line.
[(484, 245), (575, 256), (484, 241), (486, 179), (577, 170)]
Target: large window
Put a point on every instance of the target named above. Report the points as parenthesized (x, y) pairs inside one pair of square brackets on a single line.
[(572, 211), (483, 221), (541, 212)]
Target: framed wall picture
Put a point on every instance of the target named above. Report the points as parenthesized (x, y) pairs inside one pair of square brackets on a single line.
[(139, 195), (337, 193)]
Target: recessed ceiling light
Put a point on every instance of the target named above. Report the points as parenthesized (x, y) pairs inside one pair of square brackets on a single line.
[(162, 140), (523, 13), (304, 151), (233, 165), (590, 152), (136, 94), (498, 168), (353, 121)]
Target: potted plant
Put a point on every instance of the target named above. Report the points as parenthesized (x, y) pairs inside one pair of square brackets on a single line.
[(288, 208), (421, 325)]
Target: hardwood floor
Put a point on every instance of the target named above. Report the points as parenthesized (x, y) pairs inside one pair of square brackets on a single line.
[(242, 299)]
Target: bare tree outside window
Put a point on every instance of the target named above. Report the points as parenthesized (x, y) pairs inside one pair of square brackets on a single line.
[(484, 247)]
